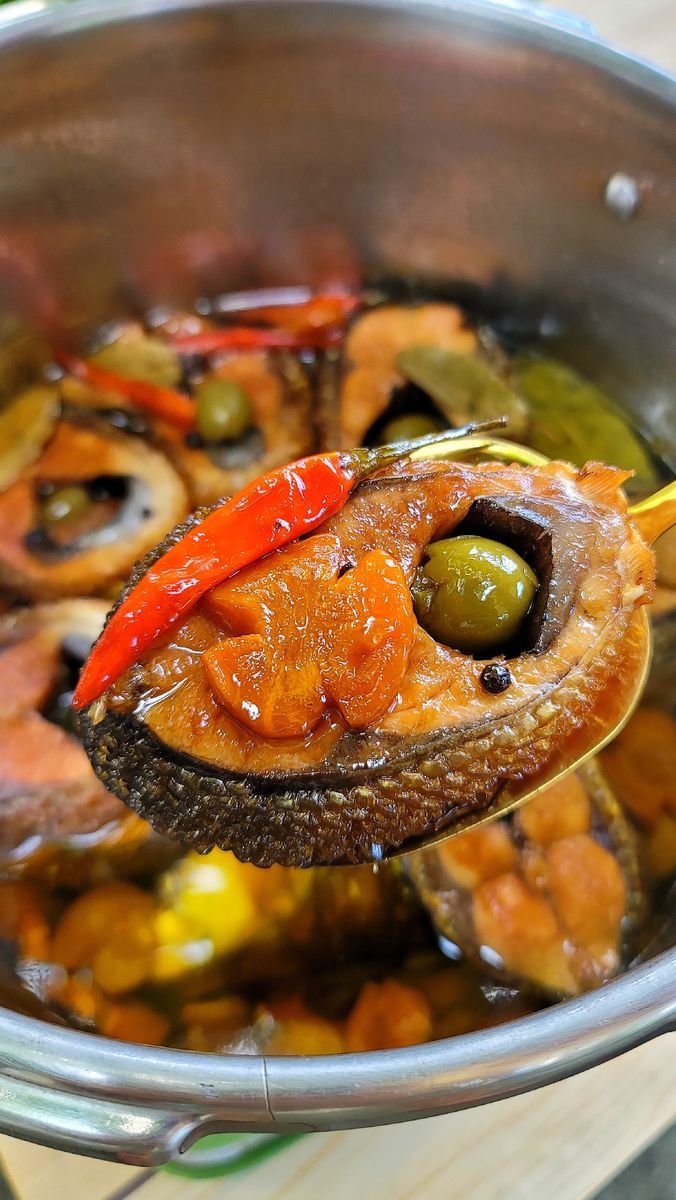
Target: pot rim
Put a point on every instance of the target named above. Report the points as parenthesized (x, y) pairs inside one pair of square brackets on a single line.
[(289, 1094), (286, 1094), (551, 28)]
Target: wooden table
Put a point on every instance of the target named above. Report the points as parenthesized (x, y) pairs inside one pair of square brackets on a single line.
[(563, 1142), (644, 27)]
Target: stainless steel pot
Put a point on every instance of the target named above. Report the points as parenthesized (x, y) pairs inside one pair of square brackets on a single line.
[(151, 151)]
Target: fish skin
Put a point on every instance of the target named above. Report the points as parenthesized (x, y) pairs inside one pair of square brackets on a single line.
[(322, 824)]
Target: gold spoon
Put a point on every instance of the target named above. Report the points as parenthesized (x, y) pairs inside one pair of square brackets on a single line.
[(653, 516)]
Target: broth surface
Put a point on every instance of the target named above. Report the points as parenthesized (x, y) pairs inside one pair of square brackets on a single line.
[(120, 932)]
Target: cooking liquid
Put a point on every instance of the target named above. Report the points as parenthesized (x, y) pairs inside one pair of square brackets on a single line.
[(214, 955)]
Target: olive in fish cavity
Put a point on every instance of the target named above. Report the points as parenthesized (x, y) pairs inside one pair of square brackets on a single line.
[(472, 593)]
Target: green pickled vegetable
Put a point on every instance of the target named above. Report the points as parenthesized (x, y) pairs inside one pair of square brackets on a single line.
[(65, 504), (463, 387), (472, 593), (146, 358), (22, 356), (26, 424), (409, 426), (573, 420), (224, 410)]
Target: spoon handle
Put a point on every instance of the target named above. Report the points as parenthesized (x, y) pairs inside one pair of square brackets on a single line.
[(656, 514), (490, 447)]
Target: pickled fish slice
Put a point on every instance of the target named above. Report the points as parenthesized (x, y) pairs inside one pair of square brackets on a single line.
[(550, 899), (177, 750), (56, 820), (128, 494), (223, 452)]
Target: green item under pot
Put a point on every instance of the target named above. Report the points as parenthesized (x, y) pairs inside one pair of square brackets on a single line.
[(221, 1154)]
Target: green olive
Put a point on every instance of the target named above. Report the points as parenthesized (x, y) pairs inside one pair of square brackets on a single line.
[(65, 504), (472, 593), (409, 426), (224, 410)]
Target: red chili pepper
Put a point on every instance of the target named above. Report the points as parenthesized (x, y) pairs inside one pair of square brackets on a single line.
[(243, 337), (311, 324), (271, 512), (160, 401), (324, 310)]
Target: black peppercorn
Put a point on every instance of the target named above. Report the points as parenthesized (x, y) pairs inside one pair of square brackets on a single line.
[(495, 678)]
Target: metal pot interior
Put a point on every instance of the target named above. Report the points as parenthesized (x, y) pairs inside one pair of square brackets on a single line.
[(153, 154)]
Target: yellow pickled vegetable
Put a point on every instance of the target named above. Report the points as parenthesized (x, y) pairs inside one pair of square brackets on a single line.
[(660, 847), (24, 919), (92, 920), (134, 1021), (560, 811), (125, 960), (521, 928), (296, 1030), (78, 995), (222, 1013), (478, 854), (387, 1015), (640, 764), (589, 896), (212, 895), (180, 958)]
